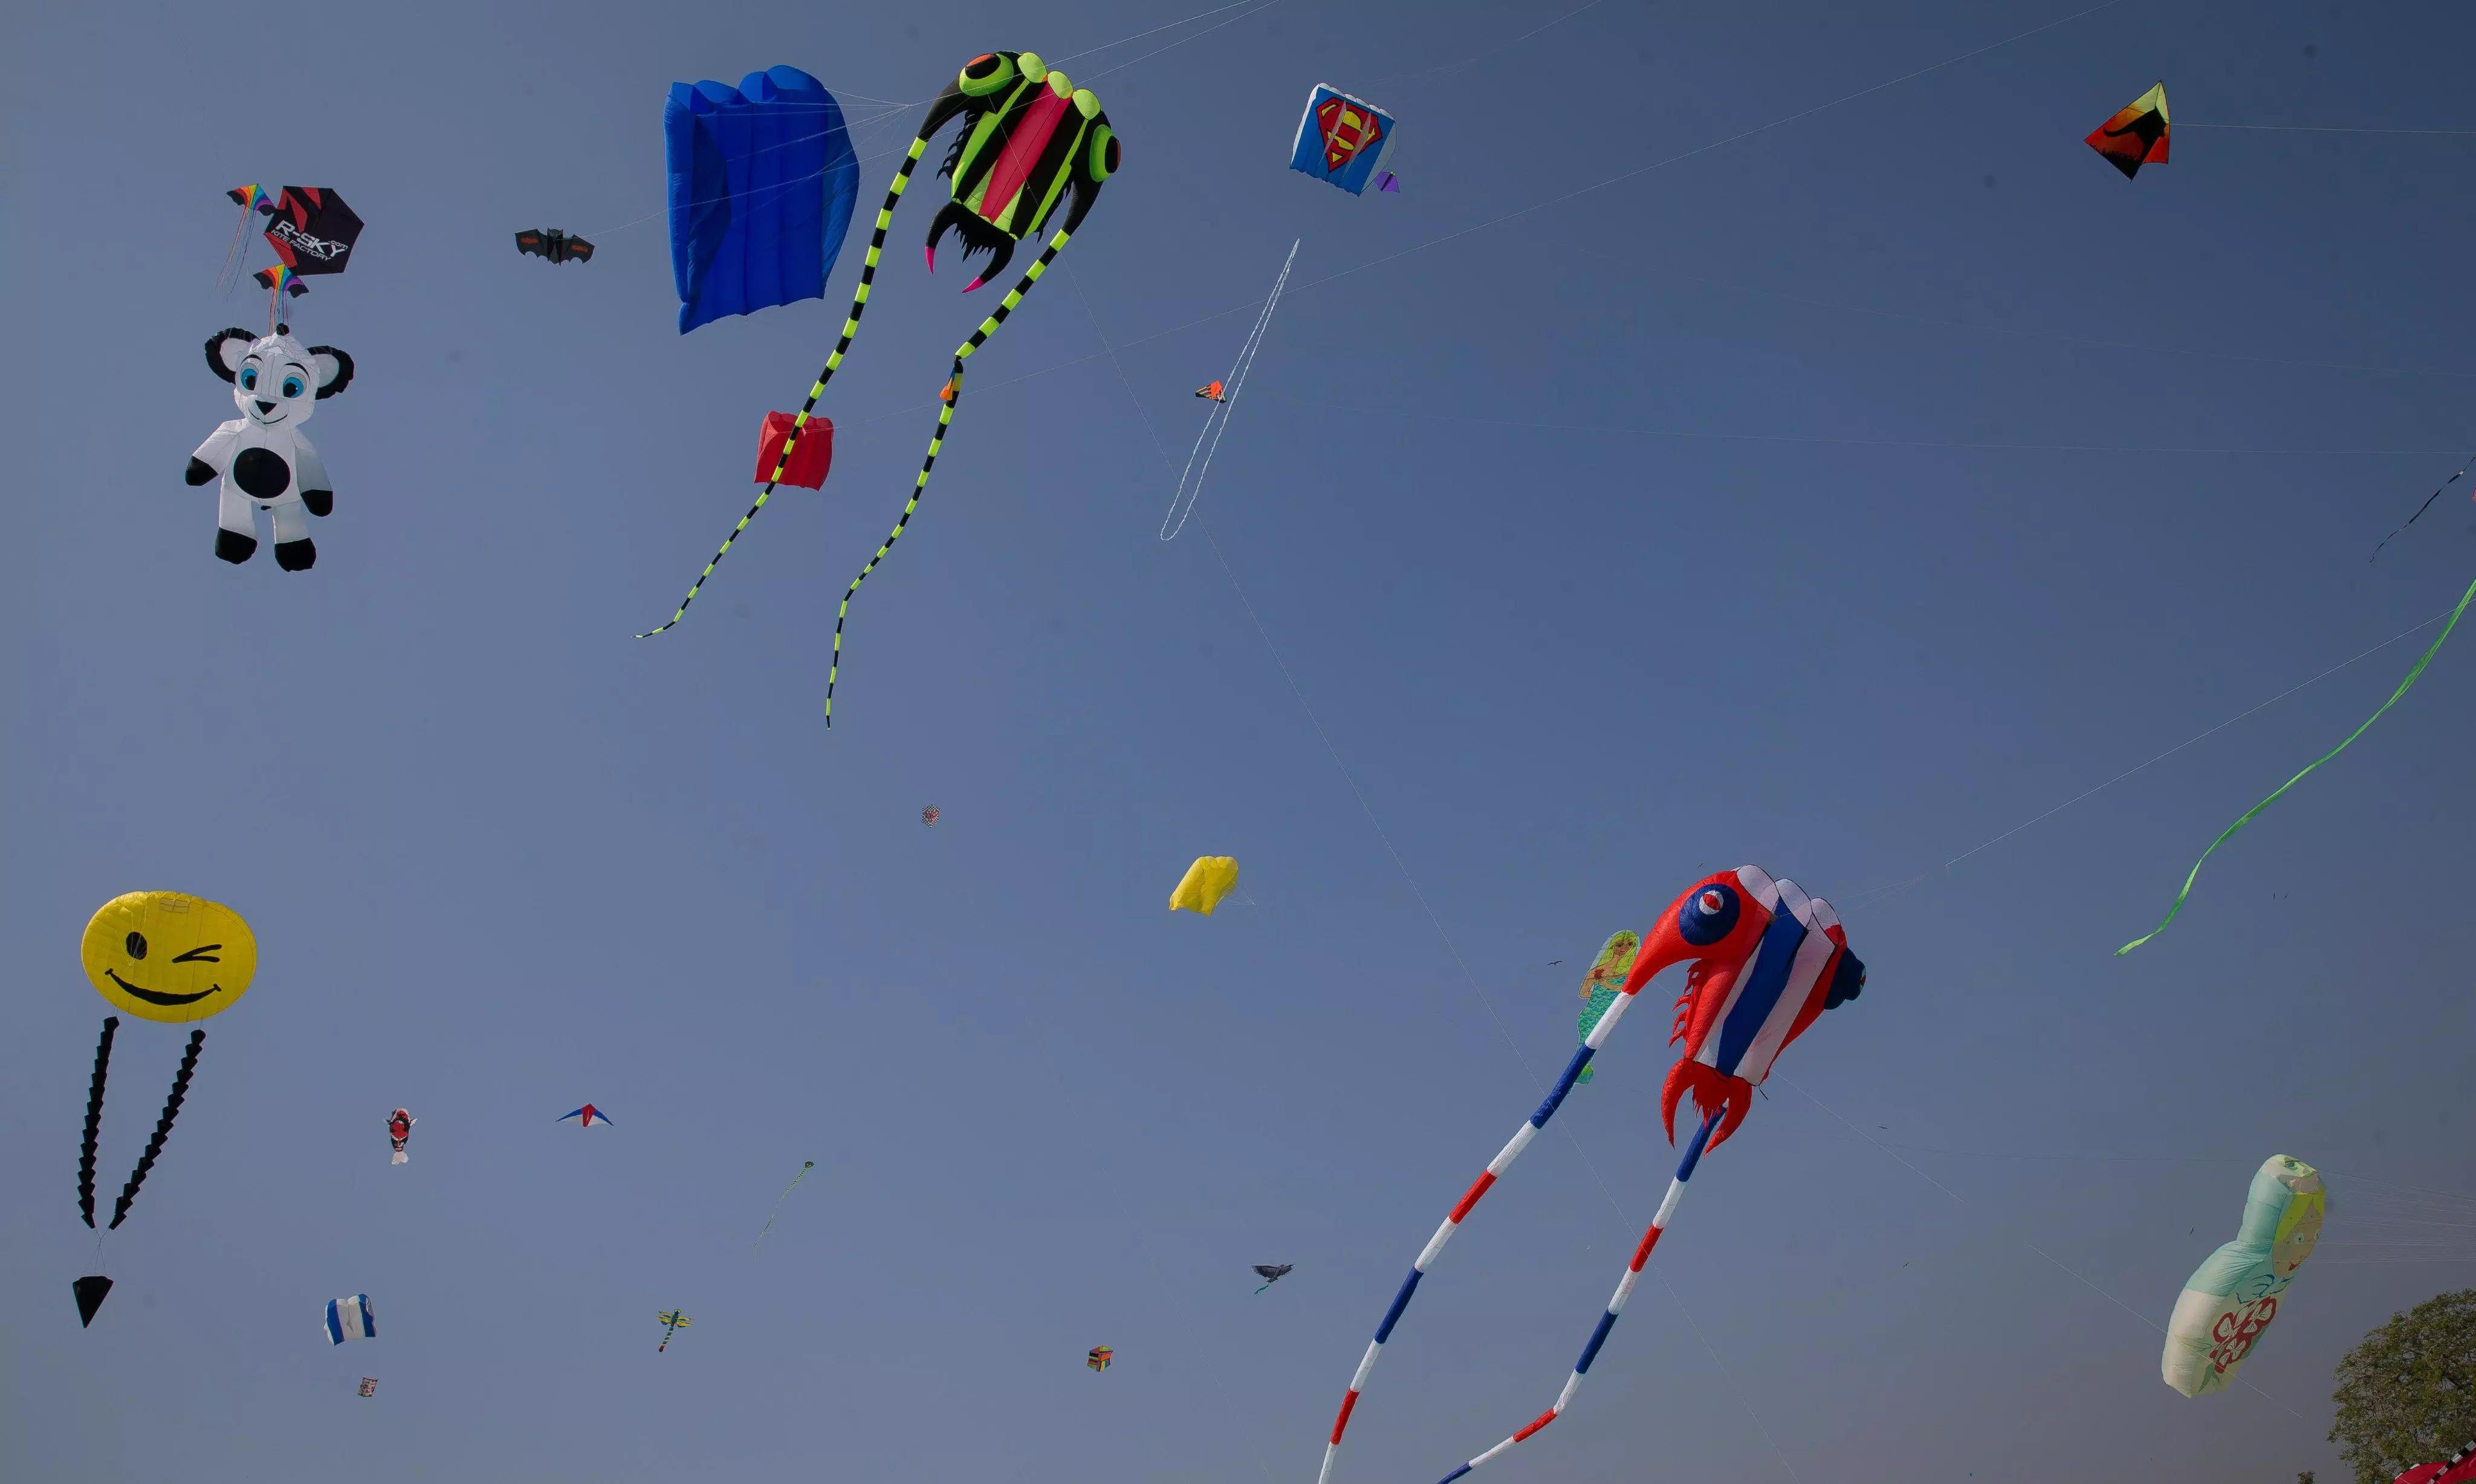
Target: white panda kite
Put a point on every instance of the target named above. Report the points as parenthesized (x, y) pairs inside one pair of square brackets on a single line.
[(261, 455)]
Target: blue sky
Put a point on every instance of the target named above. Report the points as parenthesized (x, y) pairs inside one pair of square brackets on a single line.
[(1837, 499)]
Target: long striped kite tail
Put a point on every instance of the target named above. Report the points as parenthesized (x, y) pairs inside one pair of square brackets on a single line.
[(1487, 1178), (1616, 1305), (95, 1119), (833, 363), (945, 417), (919, 487), (162, 1129)]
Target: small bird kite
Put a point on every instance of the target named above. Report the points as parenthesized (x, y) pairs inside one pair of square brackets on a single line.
[(1270, 1272), (586, 1116), (672, 1321), (399, 1128), (555, 245), (2137, 134)]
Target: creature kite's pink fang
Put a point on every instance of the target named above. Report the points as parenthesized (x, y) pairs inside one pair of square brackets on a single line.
[(931, 252), (974, 283)]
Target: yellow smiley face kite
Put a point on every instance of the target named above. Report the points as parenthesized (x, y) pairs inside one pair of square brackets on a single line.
[(161, 956)]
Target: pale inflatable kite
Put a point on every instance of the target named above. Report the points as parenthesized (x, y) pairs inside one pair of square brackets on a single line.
[(263, 459), (1766, 961), (1209, 880), (2231, 1298)]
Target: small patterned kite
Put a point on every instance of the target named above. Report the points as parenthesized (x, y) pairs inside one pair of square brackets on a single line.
[(2137, 134), (1607, 976)]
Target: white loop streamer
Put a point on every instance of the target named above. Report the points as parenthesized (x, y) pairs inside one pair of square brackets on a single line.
[(1181, 504)]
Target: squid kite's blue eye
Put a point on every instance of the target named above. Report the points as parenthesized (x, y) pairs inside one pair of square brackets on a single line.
[(249, 379), (1707, 916), (292, 386)]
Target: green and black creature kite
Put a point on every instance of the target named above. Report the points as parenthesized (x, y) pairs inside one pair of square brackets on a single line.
[(1030, 141)]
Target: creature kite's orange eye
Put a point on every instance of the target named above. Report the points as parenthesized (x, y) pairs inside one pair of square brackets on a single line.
[(986, 74)]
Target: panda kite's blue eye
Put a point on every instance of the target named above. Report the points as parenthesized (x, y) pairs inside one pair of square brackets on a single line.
[(249, 379), (292, 386)]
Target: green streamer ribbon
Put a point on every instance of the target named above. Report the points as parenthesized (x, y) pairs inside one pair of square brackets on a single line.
[(2249, 814), (804, 1167)]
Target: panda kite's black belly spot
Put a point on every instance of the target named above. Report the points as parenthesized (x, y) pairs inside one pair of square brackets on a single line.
[(262, 472)]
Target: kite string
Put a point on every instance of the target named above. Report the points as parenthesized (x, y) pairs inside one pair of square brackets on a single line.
[(1367, 809), (1219, 424), (834, 363), (1218, 1384), (953, 398), (1705, 149), (1155, 31), (1495, 50), (1352, 408), (2183, 124), (1433, 921), (805, 1168), (2058, 1262), (2420, 509), (1878, 893), (1123, 379), (2248, 815), (889, 108), (1174, 45), (1744, 1395)]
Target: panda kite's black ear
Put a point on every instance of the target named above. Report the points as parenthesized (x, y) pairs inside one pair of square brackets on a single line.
[(225, 349), (335, 369)]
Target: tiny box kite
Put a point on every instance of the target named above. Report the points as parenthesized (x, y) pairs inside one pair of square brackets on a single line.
[(810, 457)]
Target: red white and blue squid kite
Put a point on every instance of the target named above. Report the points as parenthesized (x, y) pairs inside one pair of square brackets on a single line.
[(1766, 961)]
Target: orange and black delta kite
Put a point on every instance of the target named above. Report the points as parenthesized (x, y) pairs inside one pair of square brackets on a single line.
[(2137, 134)]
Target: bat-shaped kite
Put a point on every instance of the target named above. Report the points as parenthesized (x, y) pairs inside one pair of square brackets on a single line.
[(555, 245)]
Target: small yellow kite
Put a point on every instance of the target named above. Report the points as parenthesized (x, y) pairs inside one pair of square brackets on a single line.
[(1209, 880)]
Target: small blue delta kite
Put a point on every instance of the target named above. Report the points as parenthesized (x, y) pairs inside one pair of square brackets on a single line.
[(586, 1116)]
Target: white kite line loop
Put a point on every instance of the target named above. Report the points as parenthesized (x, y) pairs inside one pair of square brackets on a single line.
[(1216, 422)]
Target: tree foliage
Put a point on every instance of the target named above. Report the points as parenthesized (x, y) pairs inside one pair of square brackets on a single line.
[(2407, 1392)]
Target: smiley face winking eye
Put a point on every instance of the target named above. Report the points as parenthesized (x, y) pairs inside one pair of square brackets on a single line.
[(125, 959)]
